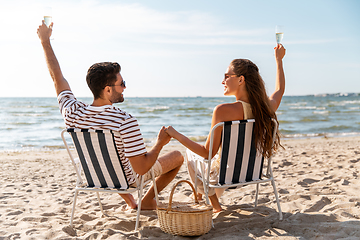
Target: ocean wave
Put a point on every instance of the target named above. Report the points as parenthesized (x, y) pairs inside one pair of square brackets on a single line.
[(323, 134), (196, 109), (22, 123), (334, 128), (296, 104), (321, 112), (146, 116), (313, 119), (157, 109), (304, 107), (32, 148), (344, 103), (336, 95), (22, 114), (284, 121), (183, 115)]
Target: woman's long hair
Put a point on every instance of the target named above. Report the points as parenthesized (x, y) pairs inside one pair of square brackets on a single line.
[(260, 105)]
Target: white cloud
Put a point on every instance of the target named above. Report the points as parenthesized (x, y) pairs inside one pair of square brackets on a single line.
[(150, 39)]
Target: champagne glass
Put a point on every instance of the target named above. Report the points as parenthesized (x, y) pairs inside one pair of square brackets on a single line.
[(279, 33), (47, 16)]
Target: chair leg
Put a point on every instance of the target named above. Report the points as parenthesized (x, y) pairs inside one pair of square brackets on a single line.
[(195, 174), (205, 184), (155, 187), (140, 193), (73, 208), (101, 207), (138, 215), (257, 194), (277, 200)]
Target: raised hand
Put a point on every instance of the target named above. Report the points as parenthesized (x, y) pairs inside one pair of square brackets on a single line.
[(279, 51), (44, 32)]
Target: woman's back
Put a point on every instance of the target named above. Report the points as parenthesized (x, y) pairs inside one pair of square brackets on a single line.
[(247, 110), (238, 110)]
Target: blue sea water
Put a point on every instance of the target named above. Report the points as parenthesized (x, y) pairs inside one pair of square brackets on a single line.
[(36, 123)]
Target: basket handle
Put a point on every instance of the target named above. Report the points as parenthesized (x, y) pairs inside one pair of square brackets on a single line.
[(173, 189)]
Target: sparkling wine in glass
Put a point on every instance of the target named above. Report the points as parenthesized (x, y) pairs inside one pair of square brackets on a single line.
[(279, 33), (48, 16)]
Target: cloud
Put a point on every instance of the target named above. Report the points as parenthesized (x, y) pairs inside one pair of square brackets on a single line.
[(99, 21)]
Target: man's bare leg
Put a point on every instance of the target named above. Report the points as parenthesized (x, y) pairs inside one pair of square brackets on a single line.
[(170, 163), (129, 199)]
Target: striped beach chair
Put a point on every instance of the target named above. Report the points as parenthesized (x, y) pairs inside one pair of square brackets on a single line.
[(240, 162), (100, 162)]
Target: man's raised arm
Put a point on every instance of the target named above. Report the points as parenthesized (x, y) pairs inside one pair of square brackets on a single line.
[(60, 82)]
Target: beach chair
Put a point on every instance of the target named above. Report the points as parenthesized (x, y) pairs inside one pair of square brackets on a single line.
[(240, 162), (100, 161)]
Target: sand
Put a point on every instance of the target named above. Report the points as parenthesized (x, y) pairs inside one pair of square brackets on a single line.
[(318, 182)]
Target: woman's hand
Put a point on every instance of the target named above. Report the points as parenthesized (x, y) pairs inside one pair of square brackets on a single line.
[(279, 51), (171, 131)]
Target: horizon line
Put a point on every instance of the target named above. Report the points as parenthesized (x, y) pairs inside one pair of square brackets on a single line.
[(285, 95)]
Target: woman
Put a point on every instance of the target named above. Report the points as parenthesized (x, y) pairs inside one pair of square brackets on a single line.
[(242, 80)]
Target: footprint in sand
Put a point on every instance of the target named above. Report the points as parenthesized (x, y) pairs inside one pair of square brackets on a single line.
[(32, 231), (87, 217), (122, 225), (345, 182), (319, 205), (307, 181), (14, 213), (49, 214), (285, 163), (69, 230), (355, 161)]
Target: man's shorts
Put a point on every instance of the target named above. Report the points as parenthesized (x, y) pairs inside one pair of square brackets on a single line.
[(157, 172)]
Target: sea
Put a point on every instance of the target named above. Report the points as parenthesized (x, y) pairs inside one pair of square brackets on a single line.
[(35, 123)]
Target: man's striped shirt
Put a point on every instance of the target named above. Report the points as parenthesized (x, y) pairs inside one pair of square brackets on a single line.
[(128, 138)]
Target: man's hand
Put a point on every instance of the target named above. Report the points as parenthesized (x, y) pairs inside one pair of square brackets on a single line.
[(163, 138), (44, 32), (142, 164)]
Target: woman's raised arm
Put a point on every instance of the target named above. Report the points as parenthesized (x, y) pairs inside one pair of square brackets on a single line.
[(276, 97)]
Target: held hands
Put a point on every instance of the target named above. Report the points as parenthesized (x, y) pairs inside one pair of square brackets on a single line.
[(165, 135), (171, 131), (279, 51), (163, 138), (44, 32)]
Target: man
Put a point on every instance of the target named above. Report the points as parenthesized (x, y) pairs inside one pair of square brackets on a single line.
[(107, 86)]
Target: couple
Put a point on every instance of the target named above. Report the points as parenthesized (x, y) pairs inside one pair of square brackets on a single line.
[(242, 80)]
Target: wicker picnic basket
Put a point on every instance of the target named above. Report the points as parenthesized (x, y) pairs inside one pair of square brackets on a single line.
[(184, 219)]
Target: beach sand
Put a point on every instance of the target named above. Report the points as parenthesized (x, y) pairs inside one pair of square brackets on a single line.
[(318, 182)]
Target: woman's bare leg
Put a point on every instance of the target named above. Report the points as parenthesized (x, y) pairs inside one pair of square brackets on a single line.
[(215, 203)]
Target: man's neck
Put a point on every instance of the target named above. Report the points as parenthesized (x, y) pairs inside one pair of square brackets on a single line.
[(100, 102)]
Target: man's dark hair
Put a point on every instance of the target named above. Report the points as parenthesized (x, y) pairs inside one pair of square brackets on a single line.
[(101, 75)]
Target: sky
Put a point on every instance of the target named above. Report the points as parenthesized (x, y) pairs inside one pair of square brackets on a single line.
[(181, 48)]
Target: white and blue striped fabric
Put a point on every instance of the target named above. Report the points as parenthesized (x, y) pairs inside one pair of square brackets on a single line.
[(99, 158), (240, 161)]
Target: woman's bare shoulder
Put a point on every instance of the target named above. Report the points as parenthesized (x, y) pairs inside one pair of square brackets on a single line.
[(229, 111)]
